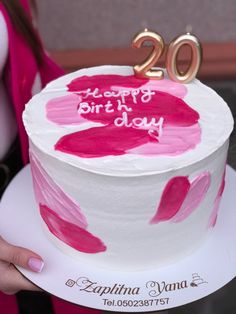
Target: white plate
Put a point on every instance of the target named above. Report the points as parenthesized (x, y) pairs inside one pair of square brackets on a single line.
[(194, 277)]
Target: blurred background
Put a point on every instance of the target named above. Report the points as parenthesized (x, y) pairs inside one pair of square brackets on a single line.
[(81, 33), (86, 32), (86, 24)]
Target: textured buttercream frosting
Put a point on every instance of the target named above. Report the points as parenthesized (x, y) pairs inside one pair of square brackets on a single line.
[(215, 122), (128, 173)]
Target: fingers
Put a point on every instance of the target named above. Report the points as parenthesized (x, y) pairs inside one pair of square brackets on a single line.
[(11, 280), (20, 256)]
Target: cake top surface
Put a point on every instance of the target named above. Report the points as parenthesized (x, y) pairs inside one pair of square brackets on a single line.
[(105, 120)]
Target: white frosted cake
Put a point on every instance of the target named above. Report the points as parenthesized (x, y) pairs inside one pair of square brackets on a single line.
[(128, 173)]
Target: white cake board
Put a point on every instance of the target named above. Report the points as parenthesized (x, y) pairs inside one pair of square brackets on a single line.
[(202, 273)]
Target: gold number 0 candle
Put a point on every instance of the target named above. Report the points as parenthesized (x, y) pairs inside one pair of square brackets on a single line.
[(195, 62)]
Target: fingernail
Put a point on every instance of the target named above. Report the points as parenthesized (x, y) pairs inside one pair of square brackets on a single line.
[(35, 264)]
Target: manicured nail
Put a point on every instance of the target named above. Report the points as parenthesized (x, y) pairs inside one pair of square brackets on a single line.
[(35, 264)]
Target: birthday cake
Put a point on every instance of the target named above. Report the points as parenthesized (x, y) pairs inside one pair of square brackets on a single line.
[(128, 173)]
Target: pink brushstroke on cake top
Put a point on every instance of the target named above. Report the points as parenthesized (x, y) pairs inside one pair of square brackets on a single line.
[(132, 116), (181, 198), (63, 216)]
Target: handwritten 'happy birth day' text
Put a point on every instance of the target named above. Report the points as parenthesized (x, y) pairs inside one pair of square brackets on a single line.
[(119, 104)]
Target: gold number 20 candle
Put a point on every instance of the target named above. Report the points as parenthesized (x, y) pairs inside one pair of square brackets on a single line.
[(144, 70)]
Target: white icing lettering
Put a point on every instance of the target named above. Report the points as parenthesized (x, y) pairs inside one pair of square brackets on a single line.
[(124, 94), (153, 122), (97, 108), (138, 122), (154, 127), (107, 94), (160, 126), (122, 106), (135, 93), (108, 107), (95, 93), (122, 121), (147, 95), (84, 108)]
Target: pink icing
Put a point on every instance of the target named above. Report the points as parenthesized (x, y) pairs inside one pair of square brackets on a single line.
[(180, 130), (216, 206), (172, 198), (127, 82), (86, 144), (173, 109), (168, 86), (73, 235), (180, 198), (49, 193), (171, 142), (63, 110), (196, 194), (62, 215)]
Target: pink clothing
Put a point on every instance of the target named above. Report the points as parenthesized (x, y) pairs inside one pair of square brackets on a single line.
[(20, 76), (8, 304), (19, 79)]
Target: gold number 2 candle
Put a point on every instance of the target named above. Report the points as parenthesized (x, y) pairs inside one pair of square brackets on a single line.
[(145, 70)]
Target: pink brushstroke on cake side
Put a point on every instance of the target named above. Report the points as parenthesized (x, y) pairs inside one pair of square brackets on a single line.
[(62, 215), (172, 198), (216, 206), (180, 130), (195, 196), (181, 198), (73, 235), (49, 193)]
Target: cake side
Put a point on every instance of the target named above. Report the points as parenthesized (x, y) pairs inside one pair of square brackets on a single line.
[(120, 214)]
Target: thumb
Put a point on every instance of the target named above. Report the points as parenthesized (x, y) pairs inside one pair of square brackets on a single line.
[(20, 256)]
